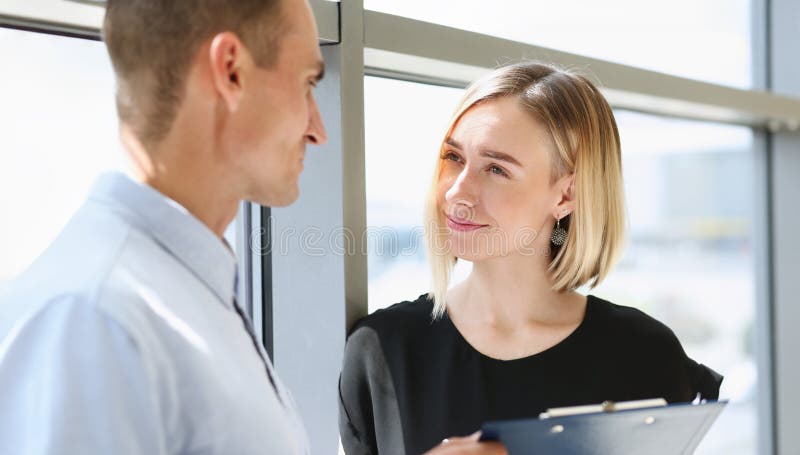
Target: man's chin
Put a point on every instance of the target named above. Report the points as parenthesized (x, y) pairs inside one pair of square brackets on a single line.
[(281, 199)]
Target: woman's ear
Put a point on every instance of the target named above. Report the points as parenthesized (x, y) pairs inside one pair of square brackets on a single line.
[(228, 59), (566, 204)]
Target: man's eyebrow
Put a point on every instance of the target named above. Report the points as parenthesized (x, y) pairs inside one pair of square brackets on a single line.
[(487, 153)]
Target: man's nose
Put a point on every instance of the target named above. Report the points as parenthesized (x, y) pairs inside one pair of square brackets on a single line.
[(315, 134)]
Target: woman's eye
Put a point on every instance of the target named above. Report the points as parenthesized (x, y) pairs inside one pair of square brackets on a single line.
[(450, 156), (498, 170)]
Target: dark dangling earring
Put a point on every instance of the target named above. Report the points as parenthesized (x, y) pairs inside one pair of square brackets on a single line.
[(559, 235)]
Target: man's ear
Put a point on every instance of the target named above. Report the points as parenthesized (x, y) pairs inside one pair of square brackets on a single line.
[(566, 188), (228, 58)]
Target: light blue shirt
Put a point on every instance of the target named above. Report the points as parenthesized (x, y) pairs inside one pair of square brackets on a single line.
[(122, 338)]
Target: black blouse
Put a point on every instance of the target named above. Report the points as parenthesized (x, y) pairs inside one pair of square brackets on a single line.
[(409, 381)]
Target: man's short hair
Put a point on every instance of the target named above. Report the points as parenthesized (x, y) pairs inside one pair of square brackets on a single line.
[(152, 43)]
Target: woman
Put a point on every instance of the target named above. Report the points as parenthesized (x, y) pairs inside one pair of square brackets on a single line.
[(528, 188)]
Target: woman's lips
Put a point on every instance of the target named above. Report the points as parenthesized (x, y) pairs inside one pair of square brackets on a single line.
[(463, 226)]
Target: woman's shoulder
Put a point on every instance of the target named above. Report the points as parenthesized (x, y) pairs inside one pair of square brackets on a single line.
[(400, 318), (403, 327), (630, 325), (654, 347)]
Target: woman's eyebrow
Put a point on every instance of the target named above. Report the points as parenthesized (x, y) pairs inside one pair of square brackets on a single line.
[(493, 154), (452, 142), (500, 156)]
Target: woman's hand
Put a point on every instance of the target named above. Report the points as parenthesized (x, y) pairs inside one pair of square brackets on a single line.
[(468, 445)]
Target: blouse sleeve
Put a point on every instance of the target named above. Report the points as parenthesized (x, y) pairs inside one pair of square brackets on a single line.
[(674, 375), (693, 378), (369, 418), (705, 381), (698, 379)]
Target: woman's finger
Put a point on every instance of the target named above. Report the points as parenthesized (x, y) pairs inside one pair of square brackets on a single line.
[(468, 445)]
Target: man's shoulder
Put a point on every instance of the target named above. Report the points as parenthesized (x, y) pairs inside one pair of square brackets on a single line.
[(81, 266), (90, 242)]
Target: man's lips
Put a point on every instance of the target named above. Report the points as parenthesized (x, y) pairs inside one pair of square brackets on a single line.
[(462, 225)]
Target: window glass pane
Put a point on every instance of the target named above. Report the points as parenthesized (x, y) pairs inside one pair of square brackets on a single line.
[(678, 37), (402, 141), (58, 130), (689, 259)]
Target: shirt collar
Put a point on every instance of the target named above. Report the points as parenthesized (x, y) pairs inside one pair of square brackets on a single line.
[(169, 223)]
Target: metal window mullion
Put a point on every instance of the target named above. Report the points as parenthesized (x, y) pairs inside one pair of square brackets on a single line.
[(763, 325), (409, 49), (82, 19), (58, 16), (319, 277), (784, 223), (354, 163)]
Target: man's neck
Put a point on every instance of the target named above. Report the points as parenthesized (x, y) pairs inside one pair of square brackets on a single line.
[(183, 177)]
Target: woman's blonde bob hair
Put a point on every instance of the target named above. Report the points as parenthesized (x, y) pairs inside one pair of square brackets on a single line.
[(581, 125)]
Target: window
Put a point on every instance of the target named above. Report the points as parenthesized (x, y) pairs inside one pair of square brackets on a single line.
[(58, 130), (674, 37), (402, 146), (689, 258)]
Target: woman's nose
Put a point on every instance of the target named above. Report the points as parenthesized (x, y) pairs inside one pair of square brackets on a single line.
[(464, 189)]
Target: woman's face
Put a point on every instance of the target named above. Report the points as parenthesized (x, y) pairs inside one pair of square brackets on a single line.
[(494, 184)]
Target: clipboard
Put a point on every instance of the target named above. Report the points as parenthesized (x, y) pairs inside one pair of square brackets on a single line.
[(610, 428)]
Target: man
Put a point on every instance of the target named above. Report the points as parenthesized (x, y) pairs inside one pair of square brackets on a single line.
[(125, 336)]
